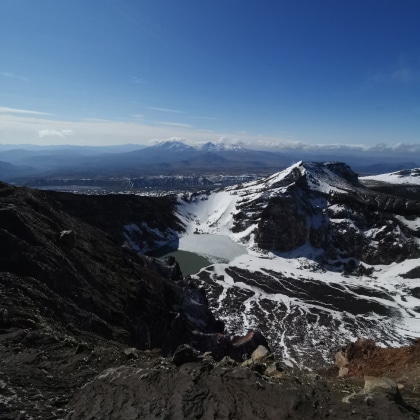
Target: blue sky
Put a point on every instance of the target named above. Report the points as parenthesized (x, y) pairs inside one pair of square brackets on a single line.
[(265, 73)]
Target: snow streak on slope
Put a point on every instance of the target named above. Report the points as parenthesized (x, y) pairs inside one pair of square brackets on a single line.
[(408, 176), (307, 312), (305, 303)]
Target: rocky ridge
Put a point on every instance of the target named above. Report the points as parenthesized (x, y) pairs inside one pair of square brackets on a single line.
[(325, 204)]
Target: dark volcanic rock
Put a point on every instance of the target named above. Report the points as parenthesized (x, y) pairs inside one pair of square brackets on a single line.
[(169, 267), (283, 225), (145, 221), (185, 354), (238, 348)]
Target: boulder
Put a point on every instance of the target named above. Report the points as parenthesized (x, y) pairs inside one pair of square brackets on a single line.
[(243, 346), (247, 363), (259, 353), (274, 370), (381, 385), (227, 362), (342, 363), (185, 354), (216, 343), (131, 353), (239, 348)]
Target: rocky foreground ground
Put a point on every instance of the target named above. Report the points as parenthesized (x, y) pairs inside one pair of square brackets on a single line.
[(46, 378)]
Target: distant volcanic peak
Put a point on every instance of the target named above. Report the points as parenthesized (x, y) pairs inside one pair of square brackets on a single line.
[(173, 146), (211, 147)]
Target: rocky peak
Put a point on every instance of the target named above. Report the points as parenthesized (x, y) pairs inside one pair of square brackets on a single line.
[(325, 205), (335, 174)]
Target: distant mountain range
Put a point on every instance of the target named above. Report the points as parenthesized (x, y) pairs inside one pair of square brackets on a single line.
[(26, 164)]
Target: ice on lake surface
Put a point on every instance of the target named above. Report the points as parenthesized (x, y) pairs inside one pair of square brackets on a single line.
[(220, 247), (195, 251)]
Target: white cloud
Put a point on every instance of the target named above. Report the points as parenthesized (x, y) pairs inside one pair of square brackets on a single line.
[(171, 139), (5, 110), (95, 120), (22, 127), (164, 110), (203, 118), (174, 124), (55, 133)]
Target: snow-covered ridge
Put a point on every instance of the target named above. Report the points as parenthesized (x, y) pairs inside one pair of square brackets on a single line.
[(236, 211), (408, 176)]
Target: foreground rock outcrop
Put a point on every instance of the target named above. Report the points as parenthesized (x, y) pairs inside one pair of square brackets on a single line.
[(204, 389)]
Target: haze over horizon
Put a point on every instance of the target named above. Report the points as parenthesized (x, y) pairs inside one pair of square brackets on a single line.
[(301, 74)]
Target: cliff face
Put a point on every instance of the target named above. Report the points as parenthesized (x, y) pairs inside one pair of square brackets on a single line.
[(88, 282)]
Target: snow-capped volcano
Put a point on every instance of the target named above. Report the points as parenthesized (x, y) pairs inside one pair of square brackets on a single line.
[(173, 147), (328, 260)]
